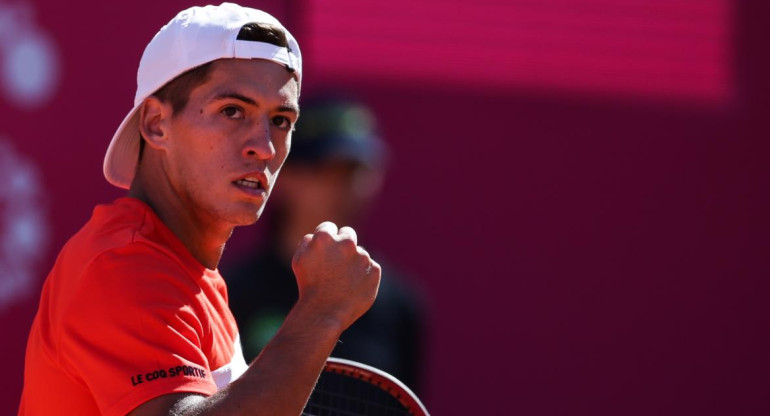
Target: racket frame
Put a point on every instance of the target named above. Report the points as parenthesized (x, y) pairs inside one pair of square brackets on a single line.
[(378, 378)]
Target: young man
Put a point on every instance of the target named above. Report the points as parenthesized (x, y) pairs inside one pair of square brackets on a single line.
[(133, 318)]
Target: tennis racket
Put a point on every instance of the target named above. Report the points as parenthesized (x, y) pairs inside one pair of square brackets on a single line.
[(349, 388)]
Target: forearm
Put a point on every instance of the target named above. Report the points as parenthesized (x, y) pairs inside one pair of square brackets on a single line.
[(281, 379)]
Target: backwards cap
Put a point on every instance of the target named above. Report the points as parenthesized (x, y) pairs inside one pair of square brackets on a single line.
[(194, 37)]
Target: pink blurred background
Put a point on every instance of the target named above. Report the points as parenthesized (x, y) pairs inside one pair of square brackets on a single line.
[(581, 186)]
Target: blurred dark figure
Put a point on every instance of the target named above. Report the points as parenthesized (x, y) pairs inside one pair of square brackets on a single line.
[(333, 172)]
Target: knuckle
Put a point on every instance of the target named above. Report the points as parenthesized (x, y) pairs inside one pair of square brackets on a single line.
[(306, 239), (348, 244), (374, 267), (327, 226), (364, 262), (323, 235)]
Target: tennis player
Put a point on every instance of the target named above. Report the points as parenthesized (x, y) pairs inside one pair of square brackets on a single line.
[(133, 317)]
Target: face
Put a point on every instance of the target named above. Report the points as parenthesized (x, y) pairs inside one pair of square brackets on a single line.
[(225, 148), (336, 190)]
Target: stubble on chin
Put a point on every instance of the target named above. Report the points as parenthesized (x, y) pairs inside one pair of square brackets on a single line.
[(247, 214)]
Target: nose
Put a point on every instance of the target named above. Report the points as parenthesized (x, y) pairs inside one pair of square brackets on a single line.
[(259, 144)]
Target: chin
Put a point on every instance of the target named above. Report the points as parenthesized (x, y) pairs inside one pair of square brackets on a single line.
[(247, 214)]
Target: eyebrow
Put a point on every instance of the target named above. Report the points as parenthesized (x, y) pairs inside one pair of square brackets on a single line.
[(234, 95)]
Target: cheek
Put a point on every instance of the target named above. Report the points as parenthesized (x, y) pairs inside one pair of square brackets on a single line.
[(281, 153), (198, 157), (200, 166), (282, 146)]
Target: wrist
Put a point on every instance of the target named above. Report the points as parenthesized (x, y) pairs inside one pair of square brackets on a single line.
[(327, 320)]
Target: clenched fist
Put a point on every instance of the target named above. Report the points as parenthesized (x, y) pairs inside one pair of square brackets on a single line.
[(335, 276)]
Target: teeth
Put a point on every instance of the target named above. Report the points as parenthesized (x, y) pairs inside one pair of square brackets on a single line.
[(249, 182)]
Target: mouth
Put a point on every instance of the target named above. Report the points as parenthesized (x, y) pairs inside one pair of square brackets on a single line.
[(252, 184)]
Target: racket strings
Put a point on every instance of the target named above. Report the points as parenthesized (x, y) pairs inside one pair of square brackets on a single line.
[(342, 395)]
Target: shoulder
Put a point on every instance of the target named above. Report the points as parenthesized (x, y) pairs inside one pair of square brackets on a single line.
[(123, 246), (89, 281), (128, 282), (136, 266)]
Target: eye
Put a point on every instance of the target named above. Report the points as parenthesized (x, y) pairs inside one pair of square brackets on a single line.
[(282, 122), (232, 112)]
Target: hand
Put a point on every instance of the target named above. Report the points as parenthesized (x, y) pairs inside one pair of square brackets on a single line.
[(335, 276)]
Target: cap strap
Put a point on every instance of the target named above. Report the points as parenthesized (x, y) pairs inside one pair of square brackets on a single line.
[(249, 49)]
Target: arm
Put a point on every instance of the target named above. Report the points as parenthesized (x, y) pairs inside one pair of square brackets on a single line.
[(337, 283)]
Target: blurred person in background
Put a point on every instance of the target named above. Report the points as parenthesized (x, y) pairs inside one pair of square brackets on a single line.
[(334, 172)]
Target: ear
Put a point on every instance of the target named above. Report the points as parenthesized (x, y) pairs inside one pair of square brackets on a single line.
[(154, 116)]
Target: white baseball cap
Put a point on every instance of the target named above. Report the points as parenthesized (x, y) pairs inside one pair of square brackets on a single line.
[(194, 37)]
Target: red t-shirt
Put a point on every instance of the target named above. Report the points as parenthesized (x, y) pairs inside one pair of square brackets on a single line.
[(127, 314)]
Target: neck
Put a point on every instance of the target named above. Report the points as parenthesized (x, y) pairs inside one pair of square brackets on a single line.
[(204, 238)]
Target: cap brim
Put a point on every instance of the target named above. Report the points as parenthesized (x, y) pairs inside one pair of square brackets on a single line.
[(123, 153)]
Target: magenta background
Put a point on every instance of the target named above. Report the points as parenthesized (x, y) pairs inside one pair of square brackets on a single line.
[(583, 253)]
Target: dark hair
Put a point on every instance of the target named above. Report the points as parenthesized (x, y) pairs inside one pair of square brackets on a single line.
[(177, 91)]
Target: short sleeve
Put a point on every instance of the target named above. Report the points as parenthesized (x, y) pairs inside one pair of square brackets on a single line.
[(132, 331)]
